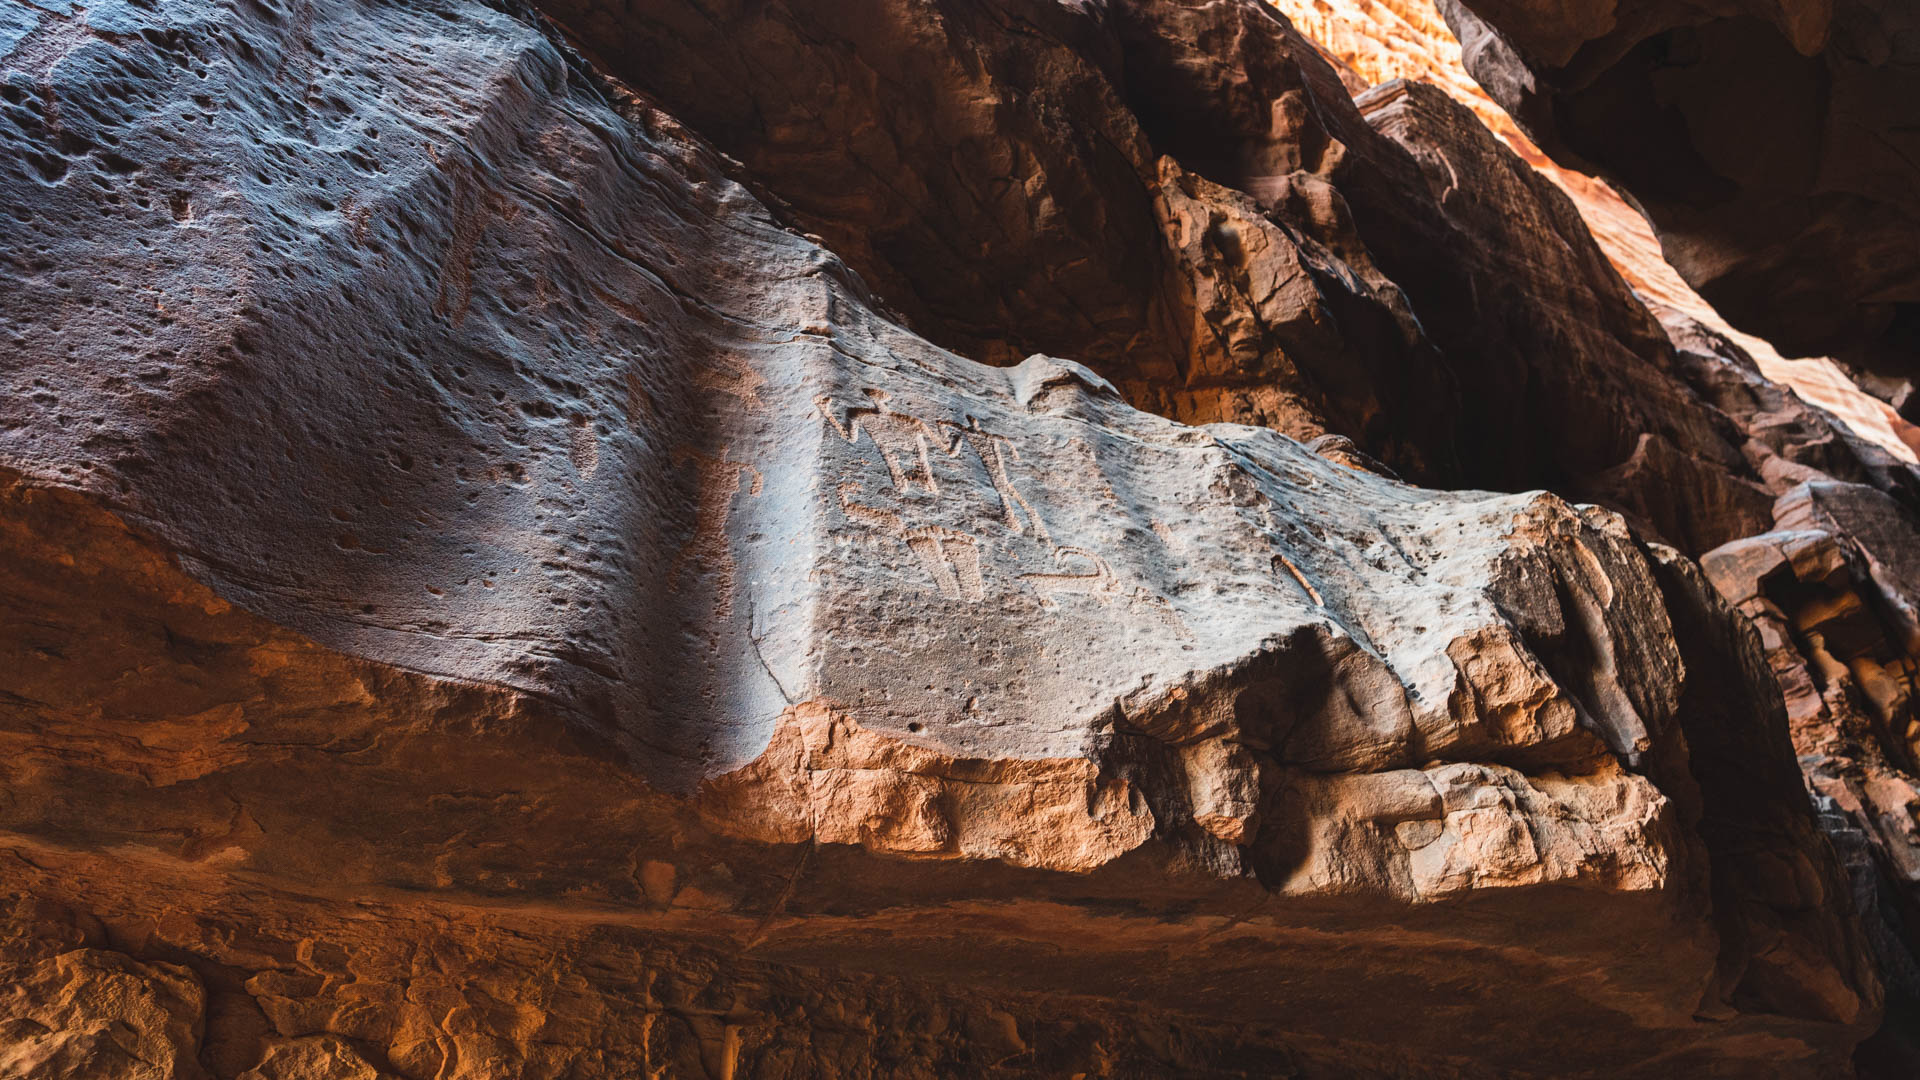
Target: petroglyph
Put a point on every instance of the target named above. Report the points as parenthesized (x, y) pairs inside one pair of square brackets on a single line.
[(642, 413), (302, 602), (1104, 586), (953, 558), (950, 557), (905, 441), (995, 450), (631, 312), (583, 447), (1100, 582), (719, 479), (475, 205), (729, 374)]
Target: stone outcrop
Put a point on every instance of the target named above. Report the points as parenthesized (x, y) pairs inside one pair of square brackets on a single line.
[(1379, 41), (494, 586), (1291, 262), (1820, 443), (1770, 143), (1832, 590)]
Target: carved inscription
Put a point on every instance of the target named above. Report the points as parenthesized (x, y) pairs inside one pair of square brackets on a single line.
[(905, 441), (949, 555), (1097, 580), (995, 452), (910, 446)]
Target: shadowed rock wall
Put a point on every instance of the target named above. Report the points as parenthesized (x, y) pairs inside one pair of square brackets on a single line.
[(1771, 144), (488, 595)]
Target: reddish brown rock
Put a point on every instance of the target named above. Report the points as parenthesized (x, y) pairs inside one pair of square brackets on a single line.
[(1839, 642), (484, 598), (1458, 223), (1548, 373), (1018, 205), (1770, 143), (1797, 448), (1383, 40), (1832, 592)]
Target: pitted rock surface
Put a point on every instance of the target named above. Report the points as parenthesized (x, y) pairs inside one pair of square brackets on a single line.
[(485, 597)]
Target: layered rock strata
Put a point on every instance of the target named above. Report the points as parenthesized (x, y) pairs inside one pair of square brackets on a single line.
[(1772, 145), (1831, 589), (1851, 729), (1286, 264), (1793, 447), (487, 595), (1379, 41)]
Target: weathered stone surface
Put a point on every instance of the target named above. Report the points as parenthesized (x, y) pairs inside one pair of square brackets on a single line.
[(1614, 417), (1770, 143), (1383, 40), (1843, 731), (1791, 439), (73, 1008), (1018, 205), (1838, 637), (1831, 590), (1307, 287), (1769, 897), (483, 598)]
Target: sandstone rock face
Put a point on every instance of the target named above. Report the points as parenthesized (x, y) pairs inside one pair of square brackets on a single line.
[(1770, 143), (1289, 265), (1852, 740), (1383, 40), (487, 595), (1832, 592)]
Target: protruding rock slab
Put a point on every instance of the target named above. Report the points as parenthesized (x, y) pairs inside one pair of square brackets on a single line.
[(478, 588)]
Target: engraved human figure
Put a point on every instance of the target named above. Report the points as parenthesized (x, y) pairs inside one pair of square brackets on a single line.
[(995, 451), (904, 440)]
